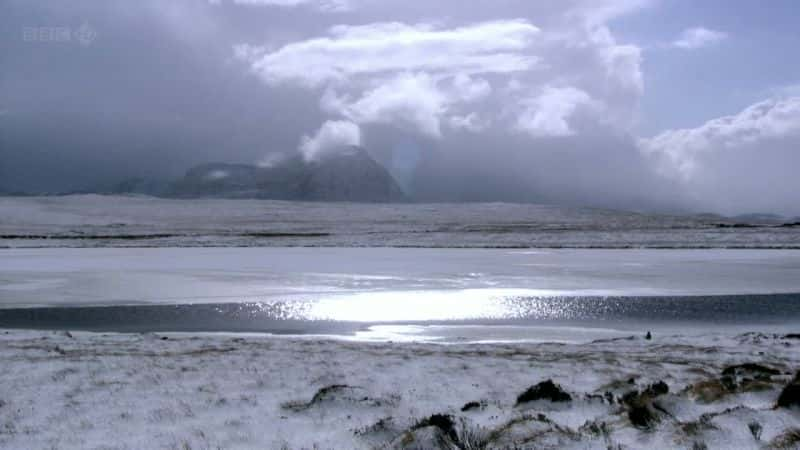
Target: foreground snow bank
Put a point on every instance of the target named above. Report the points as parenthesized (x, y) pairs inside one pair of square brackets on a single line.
[(84, 390)]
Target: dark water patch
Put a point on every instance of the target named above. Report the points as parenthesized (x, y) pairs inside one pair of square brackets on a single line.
[(125, 237), (128, 237), (293, 317), (731, 309), (230, 317)]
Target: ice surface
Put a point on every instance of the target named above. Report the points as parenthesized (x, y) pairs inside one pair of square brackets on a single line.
[(466, 293), (357, 278)]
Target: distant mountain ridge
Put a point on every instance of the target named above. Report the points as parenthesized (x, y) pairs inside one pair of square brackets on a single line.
[(349, 175)]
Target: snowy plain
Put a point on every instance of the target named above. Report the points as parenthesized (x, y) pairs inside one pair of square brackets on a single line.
[(131, 221)]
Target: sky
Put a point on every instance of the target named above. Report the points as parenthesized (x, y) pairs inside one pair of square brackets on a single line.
[(666, 105)]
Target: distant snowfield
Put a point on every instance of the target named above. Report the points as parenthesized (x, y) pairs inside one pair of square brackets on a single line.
[(127, 221), (87, 391)]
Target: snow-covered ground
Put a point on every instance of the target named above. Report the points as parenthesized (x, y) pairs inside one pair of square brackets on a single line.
[(124, 221), (431, 348), (135, 391)]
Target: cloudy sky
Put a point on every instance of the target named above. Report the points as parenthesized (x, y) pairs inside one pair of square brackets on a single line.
[(647, 104)]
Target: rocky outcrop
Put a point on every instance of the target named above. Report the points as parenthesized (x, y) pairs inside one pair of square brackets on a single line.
[(546, 390), (790, 396), (643, 411)]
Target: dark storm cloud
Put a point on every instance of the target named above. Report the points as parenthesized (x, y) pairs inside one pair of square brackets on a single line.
[(506, 100), (154, 92)]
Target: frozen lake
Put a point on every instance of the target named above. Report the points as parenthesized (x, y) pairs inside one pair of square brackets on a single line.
[(486, 293)]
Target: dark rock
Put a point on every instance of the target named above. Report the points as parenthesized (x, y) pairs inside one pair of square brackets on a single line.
[(750, 368), (728, 382), (338, 393), (755, 429), (747, 377), (141, 186), (735, 225), (444, 422), (546, 390), (643, 415), (790, 396), (629, 397), (347, 175), (789, 439), (648, 336), (792, 336), (470, 406), (379, 433), (327, 391), (656, 389), (642, 412)]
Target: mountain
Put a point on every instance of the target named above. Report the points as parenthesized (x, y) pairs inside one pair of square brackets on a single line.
[(349, 175), (138, 185)]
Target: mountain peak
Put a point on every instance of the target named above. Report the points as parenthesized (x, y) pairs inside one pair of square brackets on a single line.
[(347, 175)]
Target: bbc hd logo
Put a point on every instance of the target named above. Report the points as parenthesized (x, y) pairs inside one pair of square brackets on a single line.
[(83, 35)]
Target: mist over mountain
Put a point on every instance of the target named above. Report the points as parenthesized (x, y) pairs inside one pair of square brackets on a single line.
[(349, 174), (575, 102)]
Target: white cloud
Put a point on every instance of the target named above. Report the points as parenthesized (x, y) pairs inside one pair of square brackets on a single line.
[(409, 99), (683, 150), (598, 12), (699, 37), (739, 162), (420, 76), (470, 122), (470, 89), (482, 95), (349, 51), (622, 64), (333, 135), (547, 114)]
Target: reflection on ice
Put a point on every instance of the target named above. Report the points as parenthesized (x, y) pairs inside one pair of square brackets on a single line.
[(421, 306), (486, 334)]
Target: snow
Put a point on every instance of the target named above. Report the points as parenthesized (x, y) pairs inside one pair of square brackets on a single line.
[(404, 311), (132, 221), (86, 390)]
